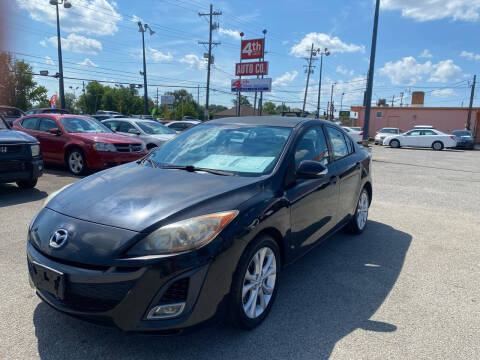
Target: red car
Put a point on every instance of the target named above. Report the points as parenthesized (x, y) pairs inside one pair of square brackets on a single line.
[(80, 142)]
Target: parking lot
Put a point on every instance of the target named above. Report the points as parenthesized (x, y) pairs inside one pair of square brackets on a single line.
[(407, 288)]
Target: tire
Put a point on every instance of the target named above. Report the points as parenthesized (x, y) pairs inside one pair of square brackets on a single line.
[(394, 143), (76, 162), (251, 287), (358, 223), (27, 184), (437, 146)]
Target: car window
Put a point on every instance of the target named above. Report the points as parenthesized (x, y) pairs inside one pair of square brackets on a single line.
[(414, 133), (112, 125), (125, 126), (10, 112), (312, 146), (151, 127), (29, 123), (83, 125), (339, 144), (429, 132), (47, 124)]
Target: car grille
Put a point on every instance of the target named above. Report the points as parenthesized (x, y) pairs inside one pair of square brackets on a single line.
[(128, 147), (11, 149), (11, 166), (177, 292)]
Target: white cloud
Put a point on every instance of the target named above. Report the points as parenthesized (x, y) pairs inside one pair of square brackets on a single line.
[(49, 60), (443, 93), (426, 10), (79, 44), (321, 40), (43, 43), (470, 55), (158, 56), (344, 71), (426, 54), (235, 34), (83, 17), (87, 62), (446, 71), (285, 79), (408, 71), (285, 42), (193, 61), (136, 19)]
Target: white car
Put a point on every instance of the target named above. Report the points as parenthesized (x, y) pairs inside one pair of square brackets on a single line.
[(356, 136), (426, 138), (384, 133), (182, 125)]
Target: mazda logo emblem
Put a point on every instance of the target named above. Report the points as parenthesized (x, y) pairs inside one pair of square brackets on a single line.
[(58, 238), (3, 149)]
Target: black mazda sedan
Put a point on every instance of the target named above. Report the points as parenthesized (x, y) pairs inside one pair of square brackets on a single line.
[(199, 227)]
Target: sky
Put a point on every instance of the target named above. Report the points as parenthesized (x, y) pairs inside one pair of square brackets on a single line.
[(423, 45)]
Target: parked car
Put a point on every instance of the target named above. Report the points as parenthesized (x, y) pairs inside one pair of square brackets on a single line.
[(107, 112), (190, 118), (10, 114), (208, 220), (80, 142), (20, 157), (356, 128), (423, 127), (357, 136), (106, 117), (385, 132), (46, 111), (150, 132), (464, 139), (427, 138), (181, 125)]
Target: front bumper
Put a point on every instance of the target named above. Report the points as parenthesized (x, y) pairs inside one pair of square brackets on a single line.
[(465, 145), (122, 296), (20, 170), (106, 159)]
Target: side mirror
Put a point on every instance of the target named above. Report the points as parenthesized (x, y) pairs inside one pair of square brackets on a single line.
[(133, 131), (55, 131), (311, 170)]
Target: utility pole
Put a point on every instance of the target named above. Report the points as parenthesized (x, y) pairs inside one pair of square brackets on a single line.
[(84, 97), (368, 100), (331, 102), (326, 53), (142, 29), (260, 101), (308, 71), (393, 100), (401, 99), (198, 94), (212, 27), (239, 95), (157, 101), (469, 119), (341, 102)]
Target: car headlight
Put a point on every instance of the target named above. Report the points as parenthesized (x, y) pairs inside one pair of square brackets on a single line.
[(184, 235), (52, 195), (104, 147), (35, 149)]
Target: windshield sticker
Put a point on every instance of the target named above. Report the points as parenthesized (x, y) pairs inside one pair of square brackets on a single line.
[(251, 164)]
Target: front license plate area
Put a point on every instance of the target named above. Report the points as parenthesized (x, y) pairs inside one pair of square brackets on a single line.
[(48, 279)]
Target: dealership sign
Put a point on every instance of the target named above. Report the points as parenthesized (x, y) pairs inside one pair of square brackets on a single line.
[(251, 68), (167, 99), (242, 85), (252, 49)]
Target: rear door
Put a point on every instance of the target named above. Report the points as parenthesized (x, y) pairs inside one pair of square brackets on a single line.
[(52, 145), (412, 138), (30, 126), (313, 201), (347, 169)]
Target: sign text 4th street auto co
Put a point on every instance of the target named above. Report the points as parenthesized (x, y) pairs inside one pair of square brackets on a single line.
[(251, 68)]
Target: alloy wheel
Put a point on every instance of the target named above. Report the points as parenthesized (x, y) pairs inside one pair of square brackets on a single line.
[(75, 162), (259, 282), (362, 210)]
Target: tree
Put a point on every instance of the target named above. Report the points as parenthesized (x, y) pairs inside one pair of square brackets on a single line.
[(17, 85), (270, 108), (70, 103), (243, 101)]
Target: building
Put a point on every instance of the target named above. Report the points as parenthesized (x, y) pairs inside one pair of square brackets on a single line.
[(445, 119), (245, 110)]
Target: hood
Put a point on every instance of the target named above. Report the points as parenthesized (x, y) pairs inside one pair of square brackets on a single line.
[(13, 136), (135, 197), (105, 137)]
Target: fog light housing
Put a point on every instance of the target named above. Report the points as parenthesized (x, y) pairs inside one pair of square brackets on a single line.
[(166, 311)]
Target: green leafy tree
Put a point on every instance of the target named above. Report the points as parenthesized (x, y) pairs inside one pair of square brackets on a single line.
[(70, 103), (243, 101), (270, 108)]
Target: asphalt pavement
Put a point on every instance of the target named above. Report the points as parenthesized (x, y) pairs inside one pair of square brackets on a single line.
[(407, 288)]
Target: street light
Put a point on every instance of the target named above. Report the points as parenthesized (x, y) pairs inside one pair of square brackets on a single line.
[(142, 29), (325, 52), (66, 5)]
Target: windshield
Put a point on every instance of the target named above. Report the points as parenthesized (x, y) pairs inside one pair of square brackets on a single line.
[(242, 150), (462, 133), (389, 131), (83, 125), (10, 112), (153, 128)]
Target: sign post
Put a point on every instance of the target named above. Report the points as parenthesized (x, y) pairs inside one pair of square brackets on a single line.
[(167, 100)]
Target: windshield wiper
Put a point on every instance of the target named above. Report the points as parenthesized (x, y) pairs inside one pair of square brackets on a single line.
[(191, 168)]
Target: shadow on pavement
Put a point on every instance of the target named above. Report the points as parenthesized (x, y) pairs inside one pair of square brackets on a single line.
[(11, 194), (322, 298)]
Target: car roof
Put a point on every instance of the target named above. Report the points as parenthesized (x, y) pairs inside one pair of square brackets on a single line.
[(281, 121)]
